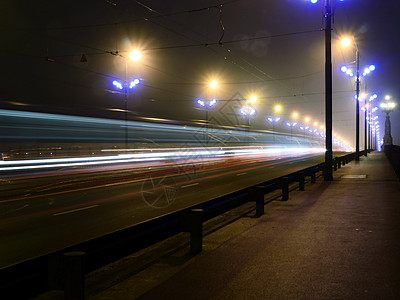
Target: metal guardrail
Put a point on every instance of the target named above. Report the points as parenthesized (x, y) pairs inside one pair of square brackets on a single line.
[(65, 269), (393, 154)]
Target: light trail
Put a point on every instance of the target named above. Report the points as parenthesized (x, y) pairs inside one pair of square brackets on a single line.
[(97, 202), (155, 154)]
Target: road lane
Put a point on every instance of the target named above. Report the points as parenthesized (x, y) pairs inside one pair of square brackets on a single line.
[(37, 224)]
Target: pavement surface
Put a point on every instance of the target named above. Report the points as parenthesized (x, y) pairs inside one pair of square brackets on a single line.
[(336, 240)]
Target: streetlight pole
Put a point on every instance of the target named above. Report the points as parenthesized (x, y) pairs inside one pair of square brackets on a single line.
[(365, 127), (206, 104), (134, 55), (126, 104), (328, 174), (357, 104), (273, 119), (248, 111)]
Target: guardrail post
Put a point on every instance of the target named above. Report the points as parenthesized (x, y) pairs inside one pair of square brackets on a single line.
[(300, 179), (55, 271), (334, 164), (74, 275), (258, 194), (312, 176), (283, 183), (192, 221), (339, 163)]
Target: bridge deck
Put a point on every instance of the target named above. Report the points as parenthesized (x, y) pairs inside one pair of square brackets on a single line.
[(336, 240)]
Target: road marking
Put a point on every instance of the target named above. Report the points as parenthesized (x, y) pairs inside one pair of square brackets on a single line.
[(240, 174), (189, 185), (74, 210)]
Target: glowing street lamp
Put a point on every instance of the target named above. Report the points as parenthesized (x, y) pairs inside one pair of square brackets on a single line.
[(328, 173), (247, 111), (344, 69), (134, 55), (213, 84), (126, 86), (273, 120), (253, 99), (291, 125), (207, 105), (367, 127)]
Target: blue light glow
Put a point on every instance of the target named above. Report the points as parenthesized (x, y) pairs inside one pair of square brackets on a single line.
[(134, 82), (247, 111), (273, 120), (200, 102), (117, 84), (212, 102)]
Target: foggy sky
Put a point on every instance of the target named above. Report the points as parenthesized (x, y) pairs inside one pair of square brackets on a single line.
[(274, 49)]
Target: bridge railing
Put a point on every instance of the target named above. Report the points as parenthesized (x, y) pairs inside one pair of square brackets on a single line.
[(65, 269), (393, 154)]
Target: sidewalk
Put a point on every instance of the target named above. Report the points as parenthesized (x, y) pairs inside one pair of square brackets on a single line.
[(336, 240)]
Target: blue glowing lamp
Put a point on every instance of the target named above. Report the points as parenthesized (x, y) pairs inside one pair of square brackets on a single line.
[(273, 120), (200, 102), (134, 83), (117, 84), (291, 124), (247, 111), (314, 1), (212, 102)]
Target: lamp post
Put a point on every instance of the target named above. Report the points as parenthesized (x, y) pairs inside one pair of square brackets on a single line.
[(371, 121), (207, 104), (273, 120), (367, 127), (387, 107), (248, 111), (134, 55), (291, 125), (345, 43), (126, 86), (328, 173)]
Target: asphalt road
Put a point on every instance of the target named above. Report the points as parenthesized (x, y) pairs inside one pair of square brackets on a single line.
[(44, 211)]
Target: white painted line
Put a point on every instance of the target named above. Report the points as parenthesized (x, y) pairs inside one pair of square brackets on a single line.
[(74, 210), (189, 185), (240, 174)]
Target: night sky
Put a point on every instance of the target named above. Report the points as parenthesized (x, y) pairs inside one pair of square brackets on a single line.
[(273, 49)]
